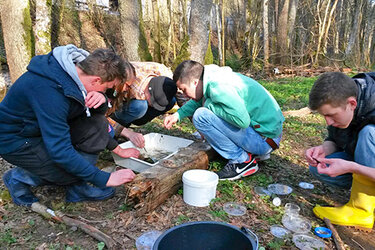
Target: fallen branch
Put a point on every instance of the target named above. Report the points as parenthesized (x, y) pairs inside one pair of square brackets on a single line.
[(336, 237), (60, 217)]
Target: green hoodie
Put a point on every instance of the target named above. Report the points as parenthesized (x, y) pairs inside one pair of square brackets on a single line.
[(239, 100)]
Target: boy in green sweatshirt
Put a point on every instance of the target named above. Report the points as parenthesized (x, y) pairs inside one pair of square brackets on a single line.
[(235, 114)]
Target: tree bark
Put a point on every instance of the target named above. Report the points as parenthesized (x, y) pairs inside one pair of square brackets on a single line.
[(18, 37), (42, 27), (282, 33), (223, 31), (129, 24), (292, 20), (152, 187), (368, 36), (218, 24), (156, 34), (199, 27), (354, 34), (266, 44)]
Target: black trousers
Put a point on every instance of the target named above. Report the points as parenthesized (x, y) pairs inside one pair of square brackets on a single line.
[(33, 157)]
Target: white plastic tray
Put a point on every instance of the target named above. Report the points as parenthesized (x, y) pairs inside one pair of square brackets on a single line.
[(153, 141)]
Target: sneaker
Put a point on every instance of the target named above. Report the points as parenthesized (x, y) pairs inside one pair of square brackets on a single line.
[(18, 190), (262, 157), (234, 171)]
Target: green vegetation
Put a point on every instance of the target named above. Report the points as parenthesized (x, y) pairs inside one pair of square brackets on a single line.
[(290, 93)]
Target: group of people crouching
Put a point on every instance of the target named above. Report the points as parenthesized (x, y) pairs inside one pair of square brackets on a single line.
[(70, 105)]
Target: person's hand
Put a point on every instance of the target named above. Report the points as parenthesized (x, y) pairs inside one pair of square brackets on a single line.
[(170, 120), (94, 99), (120, 177), (126, 152), (137, 139), (312, 154), (336, 166)]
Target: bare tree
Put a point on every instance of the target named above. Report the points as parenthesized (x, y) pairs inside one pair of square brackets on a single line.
[(218, 24), (156, 33), (354, 34), (324, 24), (18, 37), (223, 31), (282, 32), (129, 22), (199, 27), (266, 44)]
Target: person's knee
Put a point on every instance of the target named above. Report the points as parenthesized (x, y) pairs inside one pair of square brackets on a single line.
[(367, 134), (201, 116)]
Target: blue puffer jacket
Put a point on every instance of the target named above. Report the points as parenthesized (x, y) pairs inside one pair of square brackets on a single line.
[(40, 104)]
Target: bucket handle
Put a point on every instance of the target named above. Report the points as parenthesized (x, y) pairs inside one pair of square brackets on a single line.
[(252, 235)]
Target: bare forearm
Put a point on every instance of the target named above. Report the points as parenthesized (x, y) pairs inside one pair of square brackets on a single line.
[(363, 170)]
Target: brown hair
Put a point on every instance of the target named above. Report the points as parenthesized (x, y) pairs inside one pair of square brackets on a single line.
[(332, 88), (109, 66), (187, 71)]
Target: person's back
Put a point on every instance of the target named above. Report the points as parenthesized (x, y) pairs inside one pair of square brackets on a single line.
[(234, 113)]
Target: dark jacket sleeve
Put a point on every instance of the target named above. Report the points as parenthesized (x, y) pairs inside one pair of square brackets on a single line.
[(52, 111)]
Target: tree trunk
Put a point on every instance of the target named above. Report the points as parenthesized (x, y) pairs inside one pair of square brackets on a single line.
[(170, 31), (156, 34), (223, 31), (338, 26), (218, 24), (129, 24), (42, 27), (282, 33), (152, 187), (292, 20), (266, 44), (367, 41), (199, 29), (18, 37), (353, 38)]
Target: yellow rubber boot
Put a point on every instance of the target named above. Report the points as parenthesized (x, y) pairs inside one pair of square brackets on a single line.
[(359, 211)]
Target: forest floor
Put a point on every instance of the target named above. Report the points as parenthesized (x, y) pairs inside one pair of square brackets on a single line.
[(20, 228)]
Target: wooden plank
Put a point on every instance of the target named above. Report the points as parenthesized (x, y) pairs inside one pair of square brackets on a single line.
[(152, 187)]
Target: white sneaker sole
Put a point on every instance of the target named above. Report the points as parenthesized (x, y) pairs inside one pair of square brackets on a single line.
[(246, 173)]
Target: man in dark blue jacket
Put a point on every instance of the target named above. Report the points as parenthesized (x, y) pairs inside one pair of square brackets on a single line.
[(34, 124), (347, 156)]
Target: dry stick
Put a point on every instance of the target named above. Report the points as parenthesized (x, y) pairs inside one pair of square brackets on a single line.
[(60, 217), (338, 242)]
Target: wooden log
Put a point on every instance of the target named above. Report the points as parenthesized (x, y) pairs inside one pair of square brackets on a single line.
[(152, 187)]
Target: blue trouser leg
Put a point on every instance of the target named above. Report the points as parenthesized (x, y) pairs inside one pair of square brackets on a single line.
[(341, 181), (36, 168), (229, 141), (364, 154), (134, 110)]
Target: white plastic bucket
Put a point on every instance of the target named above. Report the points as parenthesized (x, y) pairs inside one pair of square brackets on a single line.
[(199, 187)]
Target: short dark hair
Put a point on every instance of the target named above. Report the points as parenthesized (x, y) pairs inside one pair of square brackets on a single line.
[(332, 88), (106, 64), (187, 71)]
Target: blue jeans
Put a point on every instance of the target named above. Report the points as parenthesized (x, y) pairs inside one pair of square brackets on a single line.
[(229, 141), (364, 154), (139, 113)]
